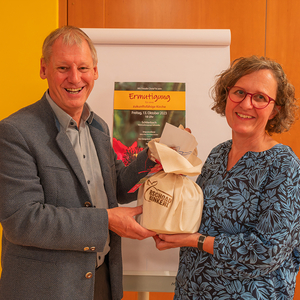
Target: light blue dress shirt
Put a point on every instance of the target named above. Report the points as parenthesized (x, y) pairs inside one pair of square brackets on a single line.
[(85, 150)]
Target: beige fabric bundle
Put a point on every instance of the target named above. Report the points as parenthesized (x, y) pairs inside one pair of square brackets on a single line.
[(172, 203)]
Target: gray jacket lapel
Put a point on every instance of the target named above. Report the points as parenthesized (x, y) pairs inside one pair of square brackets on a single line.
[(65, 146), (103, 147)]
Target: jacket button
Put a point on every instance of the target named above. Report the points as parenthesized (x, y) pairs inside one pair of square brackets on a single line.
[(87, 204), (93, 248), (86, 248), (89, 275)]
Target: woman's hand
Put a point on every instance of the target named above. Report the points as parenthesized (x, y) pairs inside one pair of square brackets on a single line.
[(168, 241)]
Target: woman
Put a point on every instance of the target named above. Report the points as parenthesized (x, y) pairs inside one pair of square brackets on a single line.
[(248, 244)]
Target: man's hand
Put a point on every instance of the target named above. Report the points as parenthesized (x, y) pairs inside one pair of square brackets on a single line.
[(121, 221)]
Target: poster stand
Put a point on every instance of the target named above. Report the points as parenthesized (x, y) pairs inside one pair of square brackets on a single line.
[(191, 56)]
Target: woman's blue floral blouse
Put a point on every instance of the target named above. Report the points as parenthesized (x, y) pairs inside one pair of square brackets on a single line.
[(253, 211)]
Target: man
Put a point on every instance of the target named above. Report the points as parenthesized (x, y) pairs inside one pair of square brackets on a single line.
[(60, 184)]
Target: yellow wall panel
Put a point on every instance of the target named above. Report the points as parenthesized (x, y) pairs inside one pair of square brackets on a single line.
[(24, 25)]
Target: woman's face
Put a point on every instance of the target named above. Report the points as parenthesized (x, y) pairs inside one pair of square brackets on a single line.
[(243, 118)]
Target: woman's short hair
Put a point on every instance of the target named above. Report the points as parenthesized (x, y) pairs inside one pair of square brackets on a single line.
[(285, 97), (71, 36)]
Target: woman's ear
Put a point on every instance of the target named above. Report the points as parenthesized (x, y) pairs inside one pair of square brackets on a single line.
[(274, 112)]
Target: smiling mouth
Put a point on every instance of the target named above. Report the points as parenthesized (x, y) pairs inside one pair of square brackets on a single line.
[(244, 116), (74, 91)]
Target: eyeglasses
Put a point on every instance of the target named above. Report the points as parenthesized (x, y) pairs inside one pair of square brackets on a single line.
[(258, 100)]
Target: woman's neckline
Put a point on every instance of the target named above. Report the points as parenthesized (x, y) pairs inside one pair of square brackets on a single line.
[(239, 157)]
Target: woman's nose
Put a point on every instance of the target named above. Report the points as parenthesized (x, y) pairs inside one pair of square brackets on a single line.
[(247, 102)]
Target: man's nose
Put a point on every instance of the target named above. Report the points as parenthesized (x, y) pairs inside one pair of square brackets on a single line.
[(74, 75)]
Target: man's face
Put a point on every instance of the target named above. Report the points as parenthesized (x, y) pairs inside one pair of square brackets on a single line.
[(70, 74)]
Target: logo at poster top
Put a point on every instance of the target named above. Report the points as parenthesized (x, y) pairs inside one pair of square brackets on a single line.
[(152, 194)]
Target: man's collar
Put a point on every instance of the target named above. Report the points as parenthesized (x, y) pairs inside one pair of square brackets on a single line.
[(64, 118)]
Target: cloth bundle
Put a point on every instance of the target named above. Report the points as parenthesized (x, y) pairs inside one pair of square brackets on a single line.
[(172, 203)]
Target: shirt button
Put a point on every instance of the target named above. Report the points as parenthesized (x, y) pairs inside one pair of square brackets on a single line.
[(83, 156), (87, 204), (88, 182), (89, 275)]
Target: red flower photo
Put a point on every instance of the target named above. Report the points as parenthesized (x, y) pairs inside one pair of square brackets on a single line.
[(124, 153)]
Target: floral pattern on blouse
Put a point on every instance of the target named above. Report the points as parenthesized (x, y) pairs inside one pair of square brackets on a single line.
[(253, 211)]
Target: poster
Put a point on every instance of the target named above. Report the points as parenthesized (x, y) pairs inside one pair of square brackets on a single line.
[(141, 110)]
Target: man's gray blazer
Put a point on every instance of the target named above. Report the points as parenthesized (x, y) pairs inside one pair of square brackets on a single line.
[(50, 232)]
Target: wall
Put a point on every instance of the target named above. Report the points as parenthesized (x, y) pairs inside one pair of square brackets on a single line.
[(282, 44), (261, 27), (24, 25)]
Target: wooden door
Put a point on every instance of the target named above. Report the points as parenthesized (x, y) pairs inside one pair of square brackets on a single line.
[(245, 19), (261, 27), (282, 45)]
